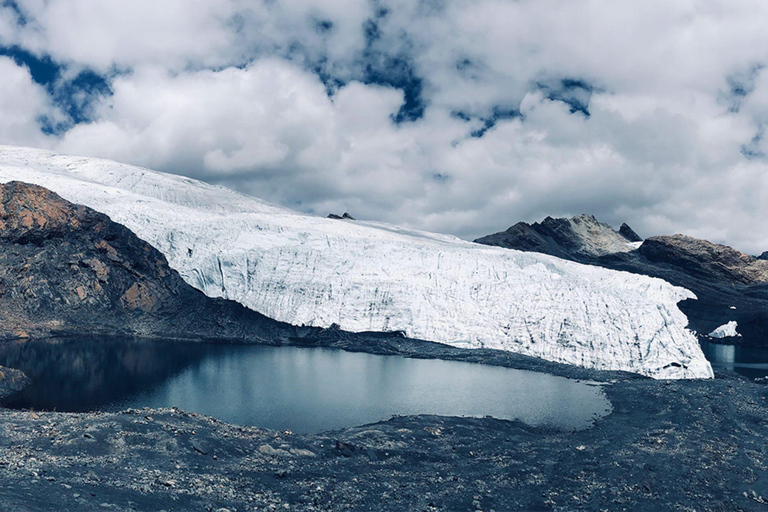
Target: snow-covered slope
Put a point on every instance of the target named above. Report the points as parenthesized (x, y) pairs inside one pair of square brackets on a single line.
[(308, 270)]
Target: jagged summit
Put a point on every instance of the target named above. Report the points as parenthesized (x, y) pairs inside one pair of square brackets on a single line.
[(763, 256), (582, 236), (368, 276), (345, 216), (629, 233)]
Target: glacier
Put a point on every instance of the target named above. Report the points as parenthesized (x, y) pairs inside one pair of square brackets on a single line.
[(371, 276)]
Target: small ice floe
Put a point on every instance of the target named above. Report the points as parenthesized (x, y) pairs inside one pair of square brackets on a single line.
[(732, 307), (726, 331)]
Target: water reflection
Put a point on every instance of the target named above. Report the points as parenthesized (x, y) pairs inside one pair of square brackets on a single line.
[(751, 362), (302, 389)]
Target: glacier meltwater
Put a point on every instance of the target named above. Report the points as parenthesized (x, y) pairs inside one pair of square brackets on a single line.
[(368, 276)]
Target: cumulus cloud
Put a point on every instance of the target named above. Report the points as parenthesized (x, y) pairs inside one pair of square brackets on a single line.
[(462, 116), (25, 107)]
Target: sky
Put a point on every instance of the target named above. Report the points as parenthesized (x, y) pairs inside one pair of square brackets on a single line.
[(454, 116)]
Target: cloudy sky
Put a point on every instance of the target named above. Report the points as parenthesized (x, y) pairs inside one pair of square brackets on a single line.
[(455, 116)]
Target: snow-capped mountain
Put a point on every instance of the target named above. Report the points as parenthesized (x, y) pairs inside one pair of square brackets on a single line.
[(368, 276)]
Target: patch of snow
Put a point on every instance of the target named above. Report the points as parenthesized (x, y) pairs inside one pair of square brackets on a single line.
[(732, 307), (726, 331), (634, 245), (370, 276)]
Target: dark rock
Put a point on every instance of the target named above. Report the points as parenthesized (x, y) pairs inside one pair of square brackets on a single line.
[(198, 446), (345, 216), (582, 236), (11, 381), (345, 449), (713, 262), (629, 233), (763, 256)]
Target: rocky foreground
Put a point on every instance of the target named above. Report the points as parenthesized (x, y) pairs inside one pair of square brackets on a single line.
[(682, 445)]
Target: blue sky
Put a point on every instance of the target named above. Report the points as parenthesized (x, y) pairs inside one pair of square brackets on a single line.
[(459, 116)]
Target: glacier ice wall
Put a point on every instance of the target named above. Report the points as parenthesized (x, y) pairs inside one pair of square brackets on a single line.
[(366, 276)]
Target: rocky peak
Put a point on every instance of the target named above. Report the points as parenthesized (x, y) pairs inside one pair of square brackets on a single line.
[(31, 213), (345, 216), (574, 238), (763, 256), (629, 233)]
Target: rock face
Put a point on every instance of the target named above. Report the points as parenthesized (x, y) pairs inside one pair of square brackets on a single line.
[(629, 233), (11, 381), (579, 237), (729, 285), (763, 256), (345, 216), (701, 258), (65, 268), (366, 276)]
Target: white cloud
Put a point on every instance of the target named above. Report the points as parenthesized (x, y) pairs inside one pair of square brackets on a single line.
[(23, 105), (229, 91), (124, 33)]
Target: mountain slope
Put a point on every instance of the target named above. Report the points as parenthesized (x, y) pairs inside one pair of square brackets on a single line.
[(582, 236), (366, 276), (730, 286), (65, 268)]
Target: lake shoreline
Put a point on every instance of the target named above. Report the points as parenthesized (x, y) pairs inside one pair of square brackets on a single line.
[(666, 445), (304, 389)]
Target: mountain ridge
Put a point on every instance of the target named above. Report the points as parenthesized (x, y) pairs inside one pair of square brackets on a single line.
[(730, 285), (582, 235)]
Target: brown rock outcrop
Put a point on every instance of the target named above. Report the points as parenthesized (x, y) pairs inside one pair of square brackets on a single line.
[(67, 269)]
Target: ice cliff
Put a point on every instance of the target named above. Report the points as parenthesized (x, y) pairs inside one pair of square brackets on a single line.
[(371, 276)]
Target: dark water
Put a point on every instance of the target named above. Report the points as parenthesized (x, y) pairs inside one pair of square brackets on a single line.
[(301, 389), (751, 362)]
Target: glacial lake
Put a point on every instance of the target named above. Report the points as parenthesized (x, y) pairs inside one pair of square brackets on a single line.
[(751, 362), (305, 390)]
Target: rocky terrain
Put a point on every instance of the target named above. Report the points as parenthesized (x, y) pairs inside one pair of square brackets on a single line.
[(65, 268), (11, 381), (674, 445), (729, 285), (581, 237)]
